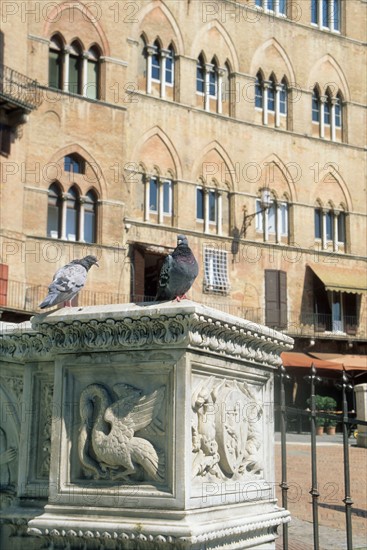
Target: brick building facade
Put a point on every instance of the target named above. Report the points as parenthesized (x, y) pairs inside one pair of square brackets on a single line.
[(239, 124)]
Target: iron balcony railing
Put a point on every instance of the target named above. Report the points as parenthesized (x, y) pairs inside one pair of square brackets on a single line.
[(324, 324), (23, 297), (18, 89)]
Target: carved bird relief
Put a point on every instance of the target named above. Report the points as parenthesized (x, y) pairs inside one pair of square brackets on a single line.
[(108, 447)]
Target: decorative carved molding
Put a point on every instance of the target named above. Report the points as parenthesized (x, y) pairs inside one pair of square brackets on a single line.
[(14, 384), (45, 428), (240, 535), (225, 336), (225, 444), (108, 447)]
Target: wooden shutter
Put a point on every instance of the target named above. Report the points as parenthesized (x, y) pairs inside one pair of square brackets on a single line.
[(275, 298), (271, 297), (282, 299)]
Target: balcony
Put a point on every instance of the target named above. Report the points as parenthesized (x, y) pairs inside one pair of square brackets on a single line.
[(323, 325), (18, 92)]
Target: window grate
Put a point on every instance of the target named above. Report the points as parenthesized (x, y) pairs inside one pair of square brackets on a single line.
[(216, 270)]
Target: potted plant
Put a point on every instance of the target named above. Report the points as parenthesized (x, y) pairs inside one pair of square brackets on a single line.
[(319, 425), (319, 406), (330, 406)]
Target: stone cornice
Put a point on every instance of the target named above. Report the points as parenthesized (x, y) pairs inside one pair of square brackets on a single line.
[(240, 534), (131, 326)]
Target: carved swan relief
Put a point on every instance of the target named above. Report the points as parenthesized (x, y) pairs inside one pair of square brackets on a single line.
[(108, 448), (225, 435)]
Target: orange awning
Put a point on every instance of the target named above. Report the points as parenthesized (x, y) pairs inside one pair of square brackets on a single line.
[(350, 362), (341, 279), (302, 360)]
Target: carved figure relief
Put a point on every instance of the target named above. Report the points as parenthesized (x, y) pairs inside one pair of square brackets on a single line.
[(225, 438), (108, 447), (45, 435), (7, 455)]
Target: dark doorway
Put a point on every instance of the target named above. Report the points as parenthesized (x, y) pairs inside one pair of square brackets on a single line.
[(147, 267)]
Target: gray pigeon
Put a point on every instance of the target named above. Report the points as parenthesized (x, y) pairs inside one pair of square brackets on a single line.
[(179, 271), (68, 281)]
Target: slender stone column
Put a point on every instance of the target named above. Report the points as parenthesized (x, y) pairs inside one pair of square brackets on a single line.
[(265, 102), (206, 210), (150, 50), (64, 199), (65, 72)]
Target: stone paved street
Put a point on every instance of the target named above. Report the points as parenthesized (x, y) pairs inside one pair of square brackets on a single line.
[(331, 488)]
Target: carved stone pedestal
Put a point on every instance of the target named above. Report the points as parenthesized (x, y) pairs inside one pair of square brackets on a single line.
[(149, 427)]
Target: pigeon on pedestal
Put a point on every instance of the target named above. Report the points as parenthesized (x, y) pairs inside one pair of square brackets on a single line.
[(179, 271), (68, 281)]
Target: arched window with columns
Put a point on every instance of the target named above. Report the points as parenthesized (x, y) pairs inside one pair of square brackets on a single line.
[(74, 70), (158, 198), (273, 222), (330, 227), (327, 114), (209, 208), (160, 69), (271, 97), (212, 85), (72, 215)]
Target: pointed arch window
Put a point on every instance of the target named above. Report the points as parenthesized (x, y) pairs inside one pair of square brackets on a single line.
[(89, 229), (330, 227), (156, 62), (153, 195), (72, 215), (158, 198), (327, 109), (259, 91), (160, 68), (273, 220), (315, 105), (283, 97), (55, 63), (93, 74), (54, 211), (72, 70), (200, 75), (271, 95), (338, 111), (170, 66), (209, 208), (213, 79), (74, 163), (75, 69)]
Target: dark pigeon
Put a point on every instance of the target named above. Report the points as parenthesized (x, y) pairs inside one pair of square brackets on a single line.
[(68, 281), (179, 271)]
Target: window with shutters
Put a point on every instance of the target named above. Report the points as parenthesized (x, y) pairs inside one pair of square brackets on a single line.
[(275, 298)]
